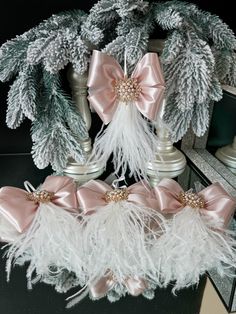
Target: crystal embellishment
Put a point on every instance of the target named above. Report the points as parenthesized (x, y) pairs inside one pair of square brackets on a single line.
[(116, 195), (191, 199), (127, 89), (41, 196)]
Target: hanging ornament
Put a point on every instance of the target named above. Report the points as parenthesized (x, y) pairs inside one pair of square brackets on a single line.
[(197, 239), (126, 104), (48, 230), (119, 228)]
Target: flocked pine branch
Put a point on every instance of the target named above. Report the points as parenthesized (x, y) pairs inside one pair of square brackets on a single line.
[(14, 116), (12, 56), (56, 129), (23, 97), (167, 16), (197, 117), (29, 91), (132, 33), (230, 76), (50, 45), (54, 48), (197, 56), (103, 13), (13, 53), (189, 75)]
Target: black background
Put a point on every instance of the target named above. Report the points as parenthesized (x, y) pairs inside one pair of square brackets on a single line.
[(15, 18)]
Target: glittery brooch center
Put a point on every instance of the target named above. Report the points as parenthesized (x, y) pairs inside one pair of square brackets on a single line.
[(116, 195), (191, 199), (127, 89), (40, 196)]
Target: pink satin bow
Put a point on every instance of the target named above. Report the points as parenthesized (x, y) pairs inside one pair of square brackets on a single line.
[(20, 211), (91, 195), (105, 70), (218, 203), (135, 286)]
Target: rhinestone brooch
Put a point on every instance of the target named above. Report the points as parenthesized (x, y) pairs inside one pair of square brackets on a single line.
[(191, 199), (127, 89), (40, 196), (116, 195)]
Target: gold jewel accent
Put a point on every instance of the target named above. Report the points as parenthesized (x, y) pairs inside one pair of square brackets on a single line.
[(116, 195), (127, 89), (40, 196), (191, 199)]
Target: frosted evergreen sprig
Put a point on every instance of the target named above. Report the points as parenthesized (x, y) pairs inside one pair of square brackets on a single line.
[(132, 38), (29, 91), (23, 97), (174, 43), (215, 29), (79, 54), (14, 116), (189, 75), (230, 77), (167, 16), (53, 132), (127, 7), (54, 49), (35, 94), (197, 57), (13, 53), (197, 117)]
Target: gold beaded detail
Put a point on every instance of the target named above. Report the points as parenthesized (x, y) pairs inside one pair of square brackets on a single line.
[(116, 195), (127, 89), (40, 196), (191, 199)]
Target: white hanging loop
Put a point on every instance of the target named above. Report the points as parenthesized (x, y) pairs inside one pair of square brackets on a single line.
[(125, 64), (29, 187), (115, 183)]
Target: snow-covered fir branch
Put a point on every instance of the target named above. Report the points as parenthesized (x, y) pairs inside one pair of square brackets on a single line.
[(55, 131)]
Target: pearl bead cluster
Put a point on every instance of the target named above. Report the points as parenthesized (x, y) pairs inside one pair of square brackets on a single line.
[(191, 199), (40, 196), (116, 195), (127, 89)]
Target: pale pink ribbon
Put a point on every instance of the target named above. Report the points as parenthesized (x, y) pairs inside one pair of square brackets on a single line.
[(91, 195), (218, 203), (104, 70), (135, 286), (20, 211)]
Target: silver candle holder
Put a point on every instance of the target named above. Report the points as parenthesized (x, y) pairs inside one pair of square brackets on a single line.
[(227, 155), (169, 161), (90, 169)]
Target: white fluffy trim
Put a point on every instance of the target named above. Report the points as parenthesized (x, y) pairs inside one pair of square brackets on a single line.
[(118, 237), (193, 246), (130, 139), (50, 245)]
